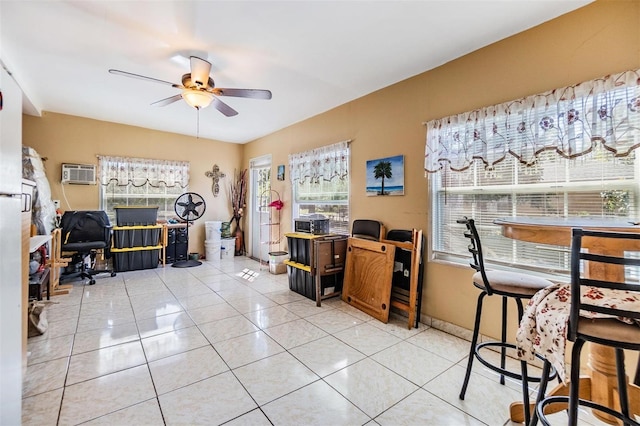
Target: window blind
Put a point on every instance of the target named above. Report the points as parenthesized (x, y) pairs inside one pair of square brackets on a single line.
[(597, 184), (570, 151)]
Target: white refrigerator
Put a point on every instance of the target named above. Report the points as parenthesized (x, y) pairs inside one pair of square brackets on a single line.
[(11, 203)]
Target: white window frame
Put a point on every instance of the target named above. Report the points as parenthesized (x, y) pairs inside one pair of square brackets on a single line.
[(439, 229), (132, 195), (339, 225), (326, 165)]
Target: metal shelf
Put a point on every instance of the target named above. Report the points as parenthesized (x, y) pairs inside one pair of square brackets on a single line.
[(271, 236)]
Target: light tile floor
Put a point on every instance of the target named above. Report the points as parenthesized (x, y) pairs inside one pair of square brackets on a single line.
[(214, 344)]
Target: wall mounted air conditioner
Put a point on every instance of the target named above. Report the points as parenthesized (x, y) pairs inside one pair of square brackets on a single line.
[(79, 174)]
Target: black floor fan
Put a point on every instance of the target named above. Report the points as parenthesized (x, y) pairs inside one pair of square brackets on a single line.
[(189, 207)]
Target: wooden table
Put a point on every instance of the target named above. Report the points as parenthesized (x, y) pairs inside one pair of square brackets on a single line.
[(601, 384)]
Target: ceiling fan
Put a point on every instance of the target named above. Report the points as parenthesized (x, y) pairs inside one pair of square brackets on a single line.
[(198, 88)]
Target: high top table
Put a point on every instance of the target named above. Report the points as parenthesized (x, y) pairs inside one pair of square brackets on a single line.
[(601, 383)]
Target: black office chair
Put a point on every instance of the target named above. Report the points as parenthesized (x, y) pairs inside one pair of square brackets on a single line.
[(368, 229), (84, 233), (603, 331), (505, 284)]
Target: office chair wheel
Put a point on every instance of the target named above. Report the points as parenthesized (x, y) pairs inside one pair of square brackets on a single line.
[(92, 281), (113, 274)]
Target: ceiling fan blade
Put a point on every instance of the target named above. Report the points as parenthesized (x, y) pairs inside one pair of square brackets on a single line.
[(244, 93), (200, 70), (142, 77), (167, 101), (223, 108)]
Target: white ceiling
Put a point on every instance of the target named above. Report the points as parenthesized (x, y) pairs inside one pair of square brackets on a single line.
[(313, 55)]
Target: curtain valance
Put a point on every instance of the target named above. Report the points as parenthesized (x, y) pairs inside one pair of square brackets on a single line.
[(324, 163), (140, 171), (569, 120)]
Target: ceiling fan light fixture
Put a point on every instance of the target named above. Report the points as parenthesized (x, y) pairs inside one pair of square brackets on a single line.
[(197, 98)]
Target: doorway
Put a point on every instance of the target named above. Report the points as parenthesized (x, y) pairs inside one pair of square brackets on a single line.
[(260, 175)]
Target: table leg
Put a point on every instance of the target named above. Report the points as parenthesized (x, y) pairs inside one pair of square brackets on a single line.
[(600, 387), (603, 379), (634, 399), (516, 409), (318, 281)]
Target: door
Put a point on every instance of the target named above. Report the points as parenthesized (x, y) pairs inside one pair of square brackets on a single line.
[(260, 188)]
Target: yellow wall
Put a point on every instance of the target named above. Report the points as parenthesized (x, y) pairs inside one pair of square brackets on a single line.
[(601, 38), (69, 139)]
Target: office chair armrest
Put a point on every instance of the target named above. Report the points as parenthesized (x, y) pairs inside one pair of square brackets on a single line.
[(107, 233)]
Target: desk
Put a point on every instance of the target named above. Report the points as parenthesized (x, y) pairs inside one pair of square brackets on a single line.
[(600, 385)]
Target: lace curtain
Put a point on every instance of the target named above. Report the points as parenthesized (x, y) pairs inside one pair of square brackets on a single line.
[(324, 163), (140, 171), (568, 120)]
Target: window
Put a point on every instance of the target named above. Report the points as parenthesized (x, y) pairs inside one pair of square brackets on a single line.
[(263, 187), (320, 181), (330, 199), (593, 185), (141, 182), (566, 152)]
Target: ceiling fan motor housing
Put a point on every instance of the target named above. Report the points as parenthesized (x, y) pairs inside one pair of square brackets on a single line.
[(190, 84)]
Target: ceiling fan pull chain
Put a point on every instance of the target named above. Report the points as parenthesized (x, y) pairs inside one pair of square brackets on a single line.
[(197, 123)]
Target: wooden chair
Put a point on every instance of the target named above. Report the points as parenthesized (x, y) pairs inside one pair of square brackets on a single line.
[(368, 229), (56, 261), (507, 285), (406, 290), (610, 331)]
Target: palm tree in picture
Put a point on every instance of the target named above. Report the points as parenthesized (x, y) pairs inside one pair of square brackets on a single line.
[(382, 170)]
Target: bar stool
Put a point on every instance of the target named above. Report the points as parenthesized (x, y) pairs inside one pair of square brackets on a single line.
[(594, 318), (507, 285)]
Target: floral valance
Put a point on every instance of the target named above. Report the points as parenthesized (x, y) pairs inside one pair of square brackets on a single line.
[(568, 120), (140, 171), (324, 163)]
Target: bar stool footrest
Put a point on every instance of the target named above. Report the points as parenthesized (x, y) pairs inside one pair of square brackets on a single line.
[(503, 371), (582, 403)]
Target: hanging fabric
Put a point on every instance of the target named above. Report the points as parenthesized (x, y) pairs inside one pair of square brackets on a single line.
[(324, 163), (568, 120), (140, 171)]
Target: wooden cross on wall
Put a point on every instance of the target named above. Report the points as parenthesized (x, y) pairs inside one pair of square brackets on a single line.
[(215, 175)]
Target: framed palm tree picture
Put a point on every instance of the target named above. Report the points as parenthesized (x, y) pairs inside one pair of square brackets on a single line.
[(385, 176)]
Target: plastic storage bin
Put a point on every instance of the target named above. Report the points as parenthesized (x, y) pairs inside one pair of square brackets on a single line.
[(136, 216), (304, 283), (131, 260), (313, 258), (300, 249), (136, 236), (276, 259)]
